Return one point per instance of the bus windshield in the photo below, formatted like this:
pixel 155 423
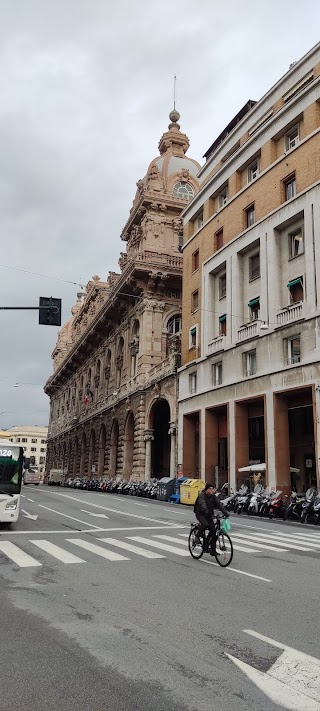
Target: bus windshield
pixel 10 469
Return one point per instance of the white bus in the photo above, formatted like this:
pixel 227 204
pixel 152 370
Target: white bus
pixel 31 476
pixel 11 465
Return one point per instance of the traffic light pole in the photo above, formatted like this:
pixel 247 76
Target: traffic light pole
pixel 49 310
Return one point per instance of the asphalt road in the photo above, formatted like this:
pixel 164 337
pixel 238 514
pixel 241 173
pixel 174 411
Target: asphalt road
pixel 103 609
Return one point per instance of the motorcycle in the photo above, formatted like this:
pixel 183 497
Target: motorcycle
pixel 276 505
pixel 316 510
pixel 307 506
pixel 255 500
pixel 243 502
pixel 294 510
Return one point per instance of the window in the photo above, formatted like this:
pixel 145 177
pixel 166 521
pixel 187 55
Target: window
pixel 43 441
pixel 199 221
pixel 250 216
pixel 295 287
pixel 223 198
pixel 294 352
pixel 254 266
pixel 42 449
pixel 296 245
pixel 290 187
pixel 193 382
pixel 195 300
pixel 193 337
pixel 42 460
pixel 195 260
pixel 223 325
pixel 250 363
pixel 292 138
pixel 253 171
pixel 34 441
pixel 183 190
pixel 174 324
pixel 17 440
pixel 24 439
pixel 219 239
pixel 222 286
pixel 217 373
pixel 254 309
pixel 33 449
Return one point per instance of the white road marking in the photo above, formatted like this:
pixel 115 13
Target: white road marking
pixel 240 536
pixel 235 570
pixel 106 508
pixel 97 530
pixel 103 552
pixel 297 540
pixel 292 682
pixel 23 496
pixel 180 513
pixel 315 540
pixel 57 552
pixel 92 513
pixel 161 546
pixel 132 548
pixel 18 556
pixel 30 516
pixel 85 523
pixel 32 501
pixel 170 538
pixel 278 539
pixel 235 545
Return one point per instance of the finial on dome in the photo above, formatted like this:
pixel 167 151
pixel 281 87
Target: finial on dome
pixel 174 116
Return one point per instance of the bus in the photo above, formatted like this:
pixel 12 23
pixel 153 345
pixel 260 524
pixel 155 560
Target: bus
pixel 31 476
pixel 11 466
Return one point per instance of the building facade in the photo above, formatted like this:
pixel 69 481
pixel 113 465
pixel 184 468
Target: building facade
pixel 33 439
pixel 113 394
pixel 249 385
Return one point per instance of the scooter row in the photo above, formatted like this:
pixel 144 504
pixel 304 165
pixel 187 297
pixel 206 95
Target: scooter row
pixel 272 504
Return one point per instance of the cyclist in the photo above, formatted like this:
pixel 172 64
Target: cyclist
pixel 204 510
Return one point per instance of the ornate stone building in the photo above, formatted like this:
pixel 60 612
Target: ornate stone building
pixel 113 394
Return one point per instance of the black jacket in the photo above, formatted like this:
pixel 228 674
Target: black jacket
pixel 206 503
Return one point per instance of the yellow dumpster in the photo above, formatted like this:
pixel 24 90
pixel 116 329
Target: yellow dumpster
pixel 189 490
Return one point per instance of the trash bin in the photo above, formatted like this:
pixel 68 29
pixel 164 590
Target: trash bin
pixel 165 488
pixel 175 497
pixel 189 490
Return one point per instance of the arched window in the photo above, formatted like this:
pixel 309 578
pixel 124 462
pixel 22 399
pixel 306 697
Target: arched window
pixel 174 324
pixel 183 190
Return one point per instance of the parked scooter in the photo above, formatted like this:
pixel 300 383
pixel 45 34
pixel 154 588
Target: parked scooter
pixel 276 507
pixel 294 510
pixel 307 506
pixel 316 510
pixel 243 502
pixel 255 500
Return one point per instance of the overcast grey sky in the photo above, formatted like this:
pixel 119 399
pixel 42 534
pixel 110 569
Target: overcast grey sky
pixel 86 88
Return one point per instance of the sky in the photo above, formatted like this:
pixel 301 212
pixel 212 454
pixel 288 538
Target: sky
pixel 86 87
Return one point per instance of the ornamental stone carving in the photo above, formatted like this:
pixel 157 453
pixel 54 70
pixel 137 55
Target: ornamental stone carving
pixel 107 371
pixel 119 361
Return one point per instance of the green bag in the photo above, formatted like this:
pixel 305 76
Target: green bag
pixel 226 526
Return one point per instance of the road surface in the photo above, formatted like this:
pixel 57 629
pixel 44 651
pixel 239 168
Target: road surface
pixel 103 609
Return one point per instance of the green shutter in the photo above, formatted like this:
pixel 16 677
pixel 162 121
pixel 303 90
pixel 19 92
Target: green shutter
pixel 295 281
pixel 222 318
pixel 193 331
pixel 253 302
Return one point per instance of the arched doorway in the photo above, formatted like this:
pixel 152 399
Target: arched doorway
pixel 102 450
pixel 161 441
pixel 114 439
pixel 83 455
pixel 91 452
pixel 128 446
pixel 75 457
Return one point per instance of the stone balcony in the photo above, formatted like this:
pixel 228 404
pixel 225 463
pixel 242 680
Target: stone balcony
pixel 217 345
pixel 291 313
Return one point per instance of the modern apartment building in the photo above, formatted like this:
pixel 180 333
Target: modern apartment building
pixel 249 385
pixel 33 439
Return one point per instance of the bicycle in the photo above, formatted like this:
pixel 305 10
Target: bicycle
pixel 224 547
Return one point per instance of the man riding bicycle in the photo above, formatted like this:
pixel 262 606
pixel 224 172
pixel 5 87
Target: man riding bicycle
pixel 204 510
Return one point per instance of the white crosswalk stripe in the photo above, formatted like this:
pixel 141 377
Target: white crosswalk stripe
pixel 160 546
pixel 57 552
pixel 242 538
pixel 103 552
pixel 235 545
pixel 278 539
pixel 17 555
pixel 131 548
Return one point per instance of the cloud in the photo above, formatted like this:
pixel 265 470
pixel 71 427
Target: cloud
pixel 86 87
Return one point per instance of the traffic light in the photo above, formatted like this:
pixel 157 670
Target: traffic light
pixel 49 311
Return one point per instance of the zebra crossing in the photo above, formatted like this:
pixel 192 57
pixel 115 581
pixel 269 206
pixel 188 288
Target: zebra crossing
pixel 157 546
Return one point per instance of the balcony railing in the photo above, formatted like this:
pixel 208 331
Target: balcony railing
pixel 218 344
pixel 294 312
pixel 249 330
pixel 169 260
pixel 192 354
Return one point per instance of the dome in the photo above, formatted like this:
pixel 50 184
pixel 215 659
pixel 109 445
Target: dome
pixel 175 164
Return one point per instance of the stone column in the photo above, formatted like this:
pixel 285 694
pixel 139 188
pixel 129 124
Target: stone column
pixel 172 433
pixel 148 438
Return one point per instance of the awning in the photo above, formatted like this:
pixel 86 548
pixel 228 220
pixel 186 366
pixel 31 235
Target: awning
pixel 254 468
pixel 295 281
pixel 253 302
pixel 222 318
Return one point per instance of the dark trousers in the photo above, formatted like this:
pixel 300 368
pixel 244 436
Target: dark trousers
pixel 207 522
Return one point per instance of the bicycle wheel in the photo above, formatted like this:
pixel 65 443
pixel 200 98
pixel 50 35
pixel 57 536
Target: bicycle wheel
pixel 195 549
pixel 224 549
